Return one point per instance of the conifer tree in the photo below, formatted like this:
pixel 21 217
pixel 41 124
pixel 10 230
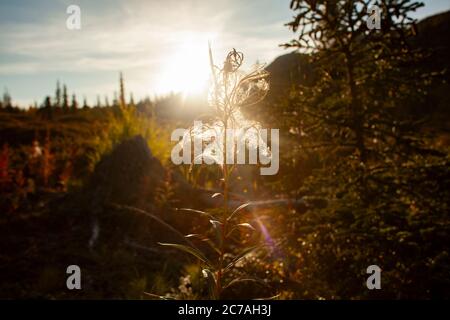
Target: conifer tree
pixel 373 167
pixel 48 108
pixel 122 92
pixel 74 103
pixel 58 95
pixel 107 102
pixel 65 98
pixel 116 102
pixel 48 103
pixel 132 100
pixel 85 104
pixel 7 101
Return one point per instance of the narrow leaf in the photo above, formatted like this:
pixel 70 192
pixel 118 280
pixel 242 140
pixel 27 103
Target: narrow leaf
pixel 158 296
pixel 203 213
pixel 212 283
pixel 270 298
pixel 241 225
pixel 194 235
pixel 241 207
pixel 203 238
pixel 195 252
pixel 246 225
pixel 217 225
pixel 242 255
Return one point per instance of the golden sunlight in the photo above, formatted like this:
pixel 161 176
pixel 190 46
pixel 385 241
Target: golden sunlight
pixel 187 69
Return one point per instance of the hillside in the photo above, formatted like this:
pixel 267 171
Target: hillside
pixel 432 35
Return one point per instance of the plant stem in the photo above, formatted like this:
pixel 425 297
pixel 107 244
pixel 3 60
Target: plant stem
pixel 225 207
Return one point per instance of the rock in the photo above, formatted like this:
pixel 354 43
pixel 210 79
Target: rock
pixel 129 175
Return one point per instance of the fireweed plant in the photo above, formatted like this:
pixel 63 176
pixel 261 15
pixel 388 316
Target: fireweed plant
pixel 231 90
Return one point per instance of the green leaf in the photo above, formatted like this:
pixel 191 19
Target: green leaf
pixel 203 213
pixel 203 238
pixel 193 251
pixel 242 255
pixel 158 296
pixel 195 235
pixel 242 225
pixel 275 297
pixel 246 225
pixel 212 283
pixel 217 225
pixel 241 207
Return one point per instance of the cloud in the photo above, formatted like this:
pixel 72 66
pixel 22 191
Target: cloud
pixel 137 37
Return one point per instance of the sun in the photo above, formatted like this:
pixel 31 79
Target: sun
pixel 187 69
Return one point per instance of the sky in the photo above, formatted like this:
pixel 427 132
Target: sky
pixel 159 45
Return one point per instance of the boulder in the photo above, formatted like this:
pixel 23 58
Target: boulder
pixel 129 175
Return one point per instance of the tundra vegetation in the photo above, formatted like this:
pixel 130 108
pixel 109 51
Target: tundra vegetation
pixel 363 179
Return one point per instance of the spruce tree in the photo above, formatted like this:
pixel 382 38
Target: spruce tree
pixel 85 104
pixel 74 103
pixel 383 184
pixel 122 92
pixel 107 102
pixel 116 103
pixel 65 99
pixel 132 100
pixel 7 101
pixel 58 95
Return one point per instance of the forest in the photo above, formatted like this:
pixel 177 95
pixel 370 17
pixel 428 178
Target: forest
pixel 363 177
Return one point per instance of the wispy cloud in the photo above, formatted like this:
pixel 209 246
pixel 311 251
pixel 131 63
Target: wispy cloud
pixel 137 37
